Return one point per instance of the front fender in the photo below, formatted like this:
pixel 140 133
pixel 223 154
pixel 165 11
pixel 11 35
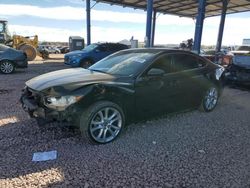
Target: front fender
pixel 121 94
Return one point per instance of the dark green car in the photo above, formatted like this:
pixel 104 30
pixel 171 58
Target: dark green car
pixel 126 86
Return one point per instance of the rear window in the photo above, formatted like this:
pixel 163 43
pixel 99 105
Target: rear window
pixel 117 47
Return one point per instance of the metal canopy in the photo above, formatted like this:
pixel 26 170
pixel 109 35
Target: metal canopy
pixel 184 8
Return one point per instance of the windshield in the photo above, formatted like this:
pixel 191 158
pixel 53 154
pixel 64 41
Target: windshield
pixel 123 63
pixel 242 60
pixel 90 47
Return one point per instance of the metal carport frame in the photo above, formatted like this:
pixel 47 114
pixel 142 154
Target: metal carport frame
pixel 198 9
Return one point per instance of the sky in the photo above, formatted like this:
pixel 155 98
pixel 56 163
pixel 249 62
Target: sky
pixel 56 20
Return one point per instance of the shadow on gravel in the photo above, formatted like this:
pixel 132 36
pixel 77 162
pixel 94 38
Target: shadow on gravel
pixel 240 87
pixel 18 142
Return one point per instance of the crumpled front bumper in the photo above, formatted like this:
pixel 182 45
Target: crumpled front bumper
pixel 32 103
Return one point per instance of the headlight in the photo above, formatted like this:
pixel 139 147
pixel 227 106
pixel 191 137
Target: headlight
pixel 60 103
pixel 219 72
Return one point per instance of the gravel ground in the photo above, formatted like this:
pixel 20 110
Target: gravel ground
pixel 191 149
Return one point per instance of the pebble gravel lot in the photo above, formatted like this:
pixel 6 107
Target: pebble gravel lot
pixel 191 149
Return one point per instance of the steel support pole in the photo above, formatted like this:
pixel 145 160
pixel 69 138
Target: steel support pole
pixel 153 29
pixel 199 25
pixel 149 22
pixel 222 23
pixel 88 9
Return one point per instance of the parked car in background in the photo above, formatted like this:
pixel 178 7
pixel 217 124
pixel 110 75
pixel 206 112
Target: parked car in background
pixel 126 86
pixel 10 59
pixel 43 51
pixel 224 57
pixel 49 49
pixel 91 54
pixel 64 49
pixel 53 50
pixel 244 48
pixel 239 71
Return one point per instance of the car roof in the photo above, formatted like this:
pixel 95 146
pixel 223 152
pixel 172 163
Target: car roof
pixel 158 51
pixel 109 43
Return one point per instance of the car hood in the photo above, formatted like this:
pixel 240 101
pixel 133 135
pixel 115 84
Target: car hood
pixel 76 77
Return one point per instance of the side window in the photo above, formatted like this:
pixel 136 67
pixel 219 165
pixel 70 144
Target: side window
pixel 184 62
pixel 163 63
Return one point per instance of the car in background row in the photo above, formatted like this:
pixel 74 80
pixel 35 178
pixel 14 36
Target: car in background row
pixel 224 57
pixel 126 86
pixel 238 71
pixel 49 49
pixel 64 49
pixel 10 59
pixel 91 54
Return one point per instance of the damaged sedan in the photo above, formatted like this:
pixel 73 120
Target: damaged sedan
pixel 127 86
pixel 239 71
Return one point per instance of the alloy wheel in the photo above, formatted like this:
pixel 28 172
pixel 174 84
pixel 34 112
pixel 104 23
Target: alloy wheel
pixel 105 125
pixel 211 98
pixel 6 67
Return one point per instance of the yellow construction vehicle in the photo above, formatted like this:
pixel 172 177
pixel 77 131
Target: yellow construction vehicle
pixel 26 44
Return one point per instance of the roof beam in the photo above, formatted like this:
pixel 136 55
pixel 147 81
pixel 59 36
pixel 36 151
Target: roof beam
pixel 179 7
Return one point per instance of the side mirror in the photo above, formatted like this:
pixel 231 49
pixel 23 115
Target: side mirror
pixel 156 72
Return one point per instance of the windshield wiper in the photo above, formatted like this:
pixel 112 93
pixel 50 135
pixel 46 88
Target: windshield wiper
pixel 96 70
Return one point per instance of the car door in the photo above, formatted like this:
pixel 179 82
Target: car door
pixel 156 88
pixel 190 73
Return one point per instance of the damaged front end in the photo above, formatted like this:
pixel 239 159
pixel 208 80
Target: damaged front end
pixel 50 108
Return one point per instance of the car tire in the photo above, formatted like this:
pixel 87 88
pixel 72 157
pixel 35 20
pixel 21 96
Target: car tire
pixel 102 122
pixel 30 51
pixel 210 99
pixel 7 67
pixel 86 63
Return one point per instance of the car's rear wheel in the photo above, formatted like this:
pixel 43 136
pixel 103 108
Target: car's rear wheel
pixel 86 63
pixel 7 67
pixel 102 122
pixel 210 99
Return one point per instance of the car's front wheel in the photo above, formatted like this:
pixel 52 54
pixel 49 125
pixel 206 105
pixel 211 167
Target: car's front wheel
pixel 7 67
pixel 102 122
pixel 210 99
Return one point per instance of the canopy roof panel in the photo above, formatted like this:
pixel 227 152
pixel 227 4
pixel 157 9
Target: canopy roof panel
pixel 184 8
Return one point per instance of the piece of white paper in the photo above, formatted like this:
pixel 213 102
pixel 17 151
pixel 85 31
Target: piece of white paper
pixel 44 156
